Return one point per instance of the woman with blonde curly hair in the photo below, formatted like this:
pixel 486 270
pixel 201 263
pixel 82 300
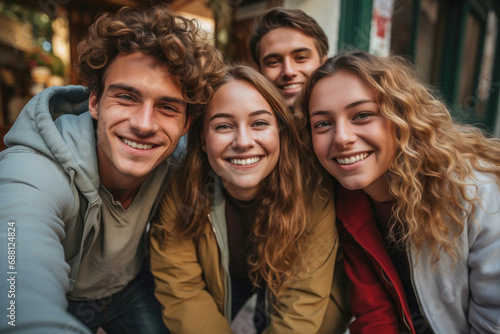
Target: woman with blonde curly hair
pixel 418 201
pixel 241 220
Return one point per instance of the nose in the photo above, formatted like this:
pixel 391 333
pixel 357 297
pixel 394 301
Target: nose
pixel 288 69
pixel 143 121
pixel 243 139
pixel 344 134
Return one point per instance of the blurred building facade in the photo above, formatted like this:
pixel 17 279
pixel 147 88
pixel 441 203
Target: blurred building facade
pixel 455 44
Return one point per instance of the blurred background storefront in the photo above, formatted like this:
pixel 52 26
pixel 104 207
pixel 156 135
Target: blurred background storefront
pixel 455 44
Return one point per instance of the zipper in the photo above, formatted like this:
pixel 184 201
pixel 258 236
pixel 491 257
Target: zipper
pixel 227 278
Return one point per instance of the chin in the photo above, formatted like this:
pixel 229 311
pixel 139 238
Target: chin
pixel 353 185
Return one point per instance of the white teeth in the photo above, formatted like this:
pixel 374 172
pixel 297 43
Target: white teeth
pixel 292 86
pixel 137 145
pixel 351 160
pixel 244 162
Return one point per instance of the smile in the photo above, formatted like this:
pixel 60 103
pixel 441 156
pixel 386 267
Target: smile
pixel 244 162
pixel 291 86
pixel 137 145
pixel 351 160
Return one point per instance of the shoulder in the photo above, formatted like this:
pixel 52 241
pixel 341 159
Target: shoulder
pixel 23 165
pixel 485 187
pixel 32 179
pixel 482 224
pixel 322 211
pixel 485 181
pixel 170 205
pixel 322 231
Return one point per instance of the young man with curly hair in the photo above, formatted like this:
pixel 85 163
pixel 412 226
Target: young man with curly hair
pixel 287 45
pixel 85 170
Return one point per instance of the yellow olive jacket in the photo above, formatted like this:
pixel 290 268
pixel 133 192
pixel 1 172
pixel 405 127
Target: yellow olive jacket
pixel 192 279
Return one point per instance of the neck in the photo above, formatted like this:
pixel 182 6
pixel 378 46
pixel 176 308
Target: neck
pixel 379 190
pixel 242 195
pixel 125 197
pixel 121 190
pixel 122 187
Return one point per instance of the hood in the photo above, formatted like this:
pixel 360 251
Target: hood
pixel 57 124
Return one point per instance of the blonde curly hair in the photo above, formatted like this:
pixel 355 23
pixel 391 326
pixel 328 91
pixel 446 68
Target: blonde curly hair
pixel 436 157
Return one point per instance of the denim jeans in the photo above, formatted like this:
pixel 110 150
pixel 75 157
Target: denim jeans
pixel 132 310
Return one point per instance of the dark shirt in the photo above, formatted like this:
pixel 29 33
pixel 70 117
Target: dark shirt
pixel 383 213
pixel 238 215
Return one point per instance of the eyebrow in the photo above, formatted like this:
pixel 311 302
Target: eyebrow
pixel 347 107
pixel 274 55
pixel 254 113
pixel 357 103
pixel 121 86
pixel 318 112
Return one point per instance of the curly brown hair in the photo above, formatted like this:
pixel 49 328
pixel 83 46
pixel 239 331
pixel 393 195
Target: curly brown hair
pixel 286 18
pixel 282 203
pixel 156 31
pixel 432 169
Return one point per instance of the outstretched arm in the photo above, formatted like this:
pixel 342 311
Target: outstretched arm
pixel 35 201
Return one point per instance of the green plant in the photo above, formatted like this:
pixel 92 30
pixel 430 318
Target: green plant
pixel 38 57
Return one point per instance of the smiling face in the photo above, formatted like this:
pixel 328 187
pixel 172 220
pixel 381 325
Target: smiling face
pixel 241 138
pixel 141 116
pixel 351 139
pixel 287 58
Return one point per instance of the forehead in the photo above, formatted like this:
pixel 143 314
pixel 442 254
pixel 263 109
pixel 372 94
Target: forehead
pixel 285 41
pixel 142 71
pixel 237 97
pixel 336 91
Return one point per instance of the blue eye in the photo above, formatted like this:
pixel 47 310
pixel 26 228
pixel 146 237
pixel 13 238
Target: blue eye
pixel 222 127
pixel 260 123
pixel 322 124
pixel 362 116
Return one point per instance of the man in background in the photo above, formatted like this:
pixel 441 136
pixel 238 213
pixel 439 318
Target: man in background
pixel 287 45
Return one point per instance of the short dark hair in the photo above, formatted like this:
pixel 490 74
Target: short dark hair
pixel 279 17
pixel 156 31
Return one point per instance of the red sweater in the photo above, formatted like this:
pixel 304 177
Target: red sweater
pixel 378 299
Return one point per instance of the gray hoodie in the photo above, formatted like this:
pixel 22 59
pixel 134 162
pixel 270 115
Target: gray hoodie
pixel 49 210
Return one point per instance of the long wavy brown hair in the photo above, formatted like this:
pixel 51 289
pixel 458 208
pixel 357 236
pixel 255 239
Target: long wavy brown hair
pixel 171 39
pixel 280 223
pixel 436 157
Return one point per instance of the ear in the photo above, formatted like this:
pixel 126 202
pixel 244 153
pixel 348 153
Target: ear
pixel 93 105
pixel 325 57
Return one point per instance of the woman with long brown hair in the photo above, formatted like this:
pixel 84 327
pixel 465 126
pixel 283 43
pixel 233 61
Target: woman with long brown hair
pixel 418 201
pixel 242 219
